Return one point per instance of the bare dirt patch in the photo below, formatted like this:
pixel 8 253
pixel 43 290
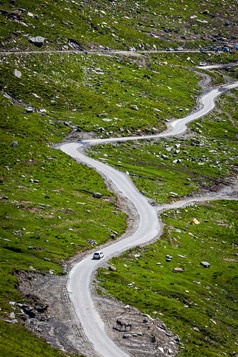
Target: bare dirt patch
pixel 50 315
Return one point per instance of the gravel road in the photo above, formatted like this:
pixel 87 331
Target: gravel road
pixel 80 276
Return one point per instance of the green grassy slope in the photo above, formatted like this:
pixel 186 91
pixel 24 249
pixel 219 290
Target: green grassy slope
pixel 48 212
pixel 118 24
pixel 200 304
pixel 167 169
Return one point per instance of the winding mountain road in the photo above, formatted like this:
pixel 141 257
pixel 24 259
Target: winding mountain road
pixel 80 277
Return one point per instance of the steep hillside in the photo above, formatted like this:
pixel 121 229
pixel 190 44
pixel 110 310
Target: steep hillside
pixel 64 80
pixel 145 24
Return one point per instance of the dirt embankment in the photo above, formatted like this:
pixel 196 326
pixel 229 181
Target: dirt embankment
pixel 51 316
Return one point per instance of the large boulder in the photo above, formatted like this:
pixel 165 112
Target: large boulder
pixel 205 264
pixel 14 144
pixel 17 73
pixel 97 195
pixel 37 41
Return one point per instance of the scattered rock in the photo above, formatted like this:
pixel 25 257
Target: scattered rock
pixel 41 308
pixel 14 144
pixel 14 14
pixel 12 315
pixel 17 73
pixel 134 107
pixel 37 41
pixel 178 270
pixel 126 335
pixel 112 268
pixel 97 195
pixel 194 221
pixel 29 311
pixel 75 44
pixel 205 264
pixel 3 12
pixel 91 241
pixel 99 115
pixel 168 258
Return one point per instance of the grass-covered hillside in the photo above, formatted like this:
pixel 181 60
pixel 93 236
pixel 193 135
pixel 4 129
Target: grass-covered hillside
pixel 200 304
pixel 48 210
pixel 167 169
pixel 197 303
pixel 118 24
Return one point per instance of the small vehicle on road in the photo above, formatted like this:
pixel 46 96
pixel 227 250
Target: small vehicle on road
pixel 98 255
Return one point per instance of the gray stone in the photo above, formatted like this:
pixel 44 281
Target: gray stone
pixel 14 144
pixel 168 258
pixel 38 40
pixel 97 195
pixel 41 308
pixel 14 14
pixel 134 107
pixel 205 264
pixel 126 335
pixel 91 241
pixel 178 270
pixel 17 73
pixel 112 268
pixel 99 115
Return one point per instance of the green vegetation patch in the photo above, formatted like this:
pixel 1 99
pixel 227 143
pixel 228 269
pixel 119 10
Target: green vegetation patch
pixel 109 96
pixel 19 342
pixel 48 211
pixel 197 303
pixel 167 169
pixel 116 24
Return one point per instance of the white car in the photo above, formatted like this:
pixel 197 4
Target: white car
pixel 98 255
